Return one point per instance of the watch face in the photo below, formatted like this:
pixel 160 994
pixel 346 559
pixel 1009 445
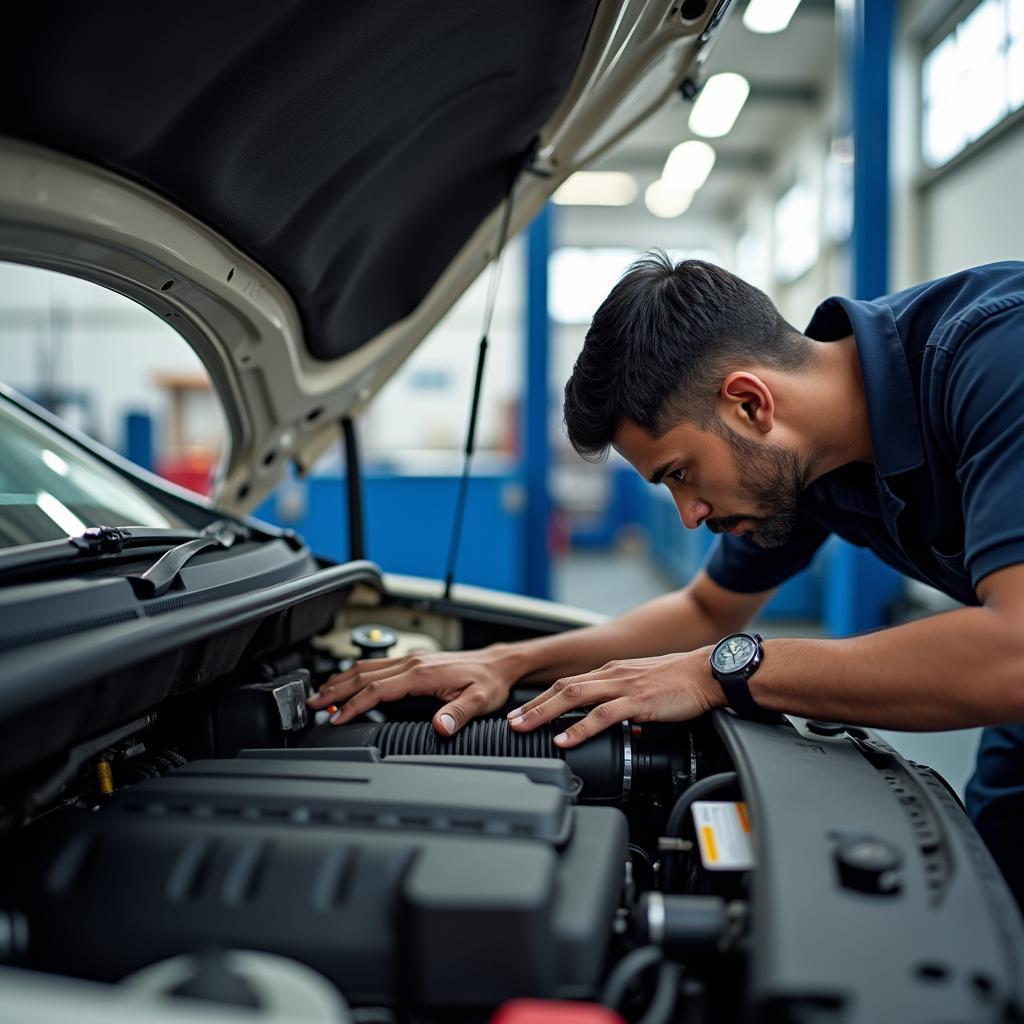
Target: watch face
pixel 733 653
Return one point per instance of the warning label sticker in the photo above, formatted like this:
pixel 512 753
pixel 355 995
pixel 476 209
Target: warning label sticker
pixel 723 833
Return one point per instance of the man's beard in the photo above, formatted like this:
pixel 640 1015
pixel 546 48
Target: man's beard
pixel 772 479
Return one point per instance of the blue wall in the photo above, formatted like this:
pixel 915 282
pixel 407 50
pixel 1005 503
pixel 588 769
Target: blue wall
pixel 681 552
pixel 408 523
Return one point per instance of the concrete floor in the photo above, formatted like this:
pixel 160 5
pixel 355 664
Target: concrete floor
pixel 614 582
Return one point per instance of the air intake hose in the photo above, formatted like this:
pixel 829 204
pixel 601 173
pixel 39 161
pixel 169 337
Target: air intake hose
pixel 610 765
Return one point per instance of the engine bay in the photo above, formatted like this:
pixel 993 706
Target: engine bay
pixel 233 847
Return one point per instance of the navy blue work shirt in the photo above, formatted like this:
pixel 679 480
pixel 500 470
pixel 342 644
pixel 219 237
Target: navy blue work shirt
pixel 943 370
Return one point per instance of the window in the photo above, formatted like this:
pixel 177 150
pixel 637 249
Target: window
pixel 580 279
pixel 972 79
pixel 796 233
pixel 51 489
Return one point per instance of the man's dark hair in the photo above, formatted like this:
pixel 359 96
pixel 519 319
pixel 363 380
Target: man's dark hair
pixel 660 345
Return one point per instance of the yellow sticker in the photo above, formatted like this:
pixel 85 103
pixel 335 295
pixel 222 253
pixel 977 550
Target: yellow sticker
pixel 723 834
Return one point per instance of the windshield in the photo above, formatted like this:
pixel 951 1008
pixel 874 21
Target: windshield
pixel 51 489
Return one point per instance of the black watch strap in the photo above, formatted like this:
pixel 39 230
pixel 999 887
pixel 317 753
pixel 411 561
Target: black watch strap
pixel 736 688
pixel 737 694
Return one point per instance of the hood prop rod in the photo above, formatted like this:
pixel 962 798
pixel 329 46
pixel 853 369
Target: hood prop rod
pixel 474 411
pixel 353 491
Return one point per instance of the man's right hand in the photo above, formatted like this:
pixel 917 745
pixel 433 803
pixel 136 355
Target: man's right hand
pixel 471 683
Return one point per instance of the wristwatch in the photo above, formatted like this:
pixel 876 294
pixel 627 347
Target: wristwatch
pixel 733 661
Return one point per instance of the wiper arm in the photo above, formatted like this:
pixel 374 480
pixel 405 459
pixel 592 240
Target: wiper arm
pixel 160 576
pixel 97 542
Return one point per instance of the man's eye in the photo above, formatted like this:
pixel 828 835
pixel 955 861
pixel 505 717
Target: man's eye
pixel 679 475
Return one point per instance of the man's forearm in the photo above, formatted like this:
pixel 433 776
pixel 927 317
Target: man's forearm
pixel 950 671
pixel 673 622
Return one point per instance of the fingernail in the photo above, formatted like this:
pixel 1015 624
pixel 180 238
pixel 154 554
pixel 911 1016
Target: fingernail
pixel 449 724
pixel 517 713
pixel 336 718
pixel 517 721
pixel 561 738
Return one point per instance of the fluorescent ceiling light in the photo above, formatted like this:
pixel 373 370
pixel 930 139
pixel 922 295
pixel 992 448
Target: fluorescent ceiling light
pixel 718 105
pixel 597 188
pixel 767 16
pixel 666 199
pixel 688 165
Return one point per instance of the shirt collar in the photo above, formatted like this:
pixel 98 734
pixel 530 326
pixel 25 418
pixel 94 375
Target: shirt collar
pixel 888 388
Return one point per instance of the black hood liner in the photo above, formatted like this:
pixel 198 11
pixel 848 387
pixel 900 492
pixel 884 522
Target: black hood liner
pixel 351 149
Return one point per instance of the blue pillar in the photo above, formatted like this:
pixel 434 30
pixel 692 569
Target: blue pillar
pixel 859 587
pixel 138 439
pixel 536 415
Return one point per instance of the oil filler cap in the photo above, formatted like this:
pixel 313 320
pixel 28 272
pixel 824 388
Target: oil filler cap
pixel 374 641
pixel 870 865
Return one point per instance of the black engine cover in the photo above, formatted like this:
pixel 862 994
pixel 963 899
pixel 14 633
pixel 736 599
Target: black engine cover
pixel 423 885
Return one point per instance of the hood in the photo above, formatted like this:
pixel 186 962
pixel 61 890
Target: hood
pixel 304 189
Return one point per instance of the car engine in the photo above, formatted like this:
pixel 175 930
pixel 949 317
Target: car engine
pixel 236 849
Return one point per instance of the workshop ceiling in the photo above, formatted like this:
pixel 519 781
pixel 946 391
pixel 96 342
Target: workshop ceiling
pixel 791 75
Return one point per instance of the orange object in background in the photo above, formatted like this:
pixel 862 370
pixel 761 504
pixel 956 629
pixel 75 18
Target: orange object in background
pixel 192 471
pixel 193 431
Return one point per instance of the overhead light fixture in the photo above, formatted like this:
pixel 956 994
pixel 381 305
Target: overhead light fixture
pixel 688 165
pixel 666 199
pixel 767 16
pixel 597 188
pixel 718 105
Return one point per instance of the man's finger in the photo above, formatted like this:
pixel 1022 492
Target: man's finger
pixel 342 686
pixel 565 697
pixel 474 700
pixel 370 696
pixel 553 690
pixel 604 715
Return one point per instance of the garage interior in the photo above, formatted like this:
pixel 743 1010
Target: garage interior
pixel 786 204
pixel 825 147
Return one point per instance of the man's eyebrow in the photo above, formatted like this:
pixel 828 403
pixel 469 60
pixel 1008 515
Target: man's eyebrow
pixel 656 476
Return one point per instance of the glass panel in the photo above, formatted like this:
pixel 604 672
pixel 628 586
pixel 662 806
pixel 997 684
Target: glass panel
pixel 980 41
pixel 51 489
pixel 972 79
pixel 1015 53
pixel 944 131
pixel 796 233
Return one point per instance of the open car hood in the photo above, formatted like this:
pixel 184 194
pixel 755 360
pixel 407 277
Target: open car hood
pixel 304 189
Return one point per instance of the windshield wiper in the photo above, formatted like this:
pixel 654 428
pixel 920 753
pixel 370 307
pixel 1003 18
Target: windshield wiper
pixel 160 576
pixel 101 541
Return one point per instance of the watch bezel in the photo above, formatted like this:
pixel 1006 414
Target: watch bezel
pixel 741 670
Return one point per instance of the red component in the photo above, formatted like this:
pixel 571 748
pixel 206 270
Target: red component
pixel 554 1011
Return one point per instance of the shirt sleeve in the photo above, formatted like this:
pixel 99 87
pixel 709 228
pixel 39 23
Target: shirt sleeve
pixel 740 565
pixel 985 418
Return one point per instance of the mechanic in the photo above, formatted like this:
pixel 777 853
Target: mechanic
pixel 896 424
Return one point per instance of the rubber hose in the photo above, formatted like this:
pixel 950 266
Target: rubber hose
pixel 663 1002
pixel 701 788
pixel 626 971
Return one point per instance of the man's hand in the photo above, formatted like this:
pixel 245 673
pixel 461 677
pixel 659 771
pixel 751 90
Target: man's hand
pixel 668 688
pixel 470 682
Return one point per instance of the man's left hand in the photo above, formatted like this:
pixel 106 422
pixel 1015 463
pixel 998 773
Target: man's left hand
pixel 667 688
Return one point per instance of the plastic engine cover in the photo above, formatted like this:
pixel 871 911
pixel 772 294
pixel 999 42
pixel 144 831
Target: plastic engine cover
pixel 421 885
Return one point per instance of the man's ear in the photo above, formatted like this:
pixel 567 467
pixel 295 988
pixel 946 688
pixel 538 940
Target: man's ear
pixel 745 400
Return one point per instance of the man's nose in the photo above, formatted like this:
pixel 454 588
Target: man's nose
pixel 692 511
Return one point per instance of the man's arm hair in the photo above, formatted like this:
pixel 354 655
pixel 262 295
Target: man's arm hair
pixel 949 671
